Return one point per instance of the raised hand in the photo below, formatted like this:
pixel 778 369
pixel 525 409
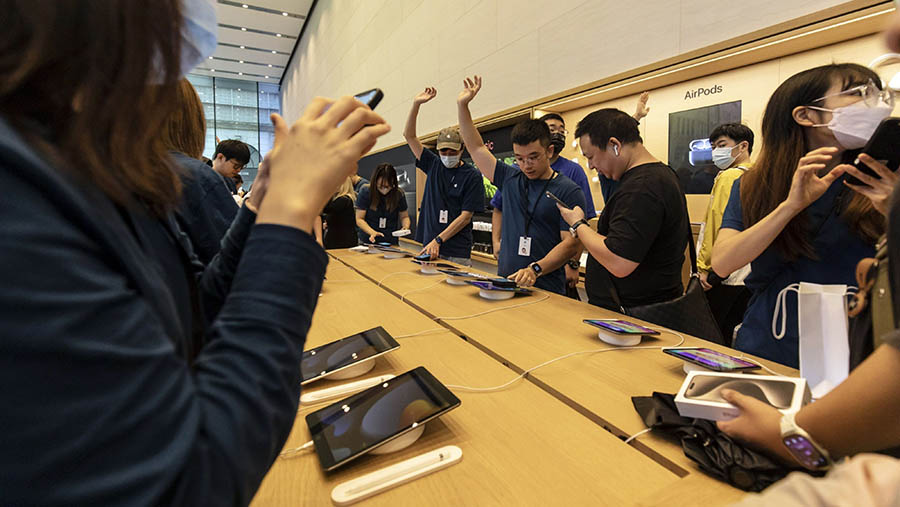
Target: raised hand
pixel 471 86
pixel 642 108
pixel 807 186
pixel 425 96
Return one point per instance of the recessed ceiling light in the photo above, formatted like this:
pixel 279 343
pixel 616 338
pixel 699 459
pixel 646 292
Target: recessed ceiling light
pixel 212 70
pixel 284 14
pixel 277 35
pixel 274 52
pixel 239 89
pixel 270 65
pixel 240 73
pixel 240 61
pixel 267 77
pixel 242 47
pixel 243 29
pixel 245 6
pixel 210 58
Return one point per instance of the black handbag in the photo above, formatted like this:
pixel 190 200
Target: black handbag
pixel 688 313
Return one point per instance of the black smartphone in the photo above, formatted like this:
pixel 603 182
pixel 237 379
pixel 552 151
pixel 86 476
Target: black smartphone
pixel 622 327
pixel 423 257
pixel 504 283
pixel 557 199
pixel 371 97
pixel 883 146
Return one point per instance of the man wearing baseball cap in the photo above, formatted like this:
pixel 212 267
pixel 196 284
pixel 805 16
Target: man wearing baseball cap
pixel 454 191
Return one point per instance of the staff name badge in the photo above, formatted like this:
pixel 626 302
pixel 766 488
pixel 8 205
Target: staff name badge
pixel 524 246
pixel 382 223
pixel 444 216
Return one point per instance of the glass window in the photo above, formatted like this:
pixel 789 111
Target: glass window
pixel 239 110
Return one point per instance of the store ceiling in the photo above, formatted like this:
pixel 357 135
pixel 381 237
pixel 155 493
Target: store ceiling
pixel 255 39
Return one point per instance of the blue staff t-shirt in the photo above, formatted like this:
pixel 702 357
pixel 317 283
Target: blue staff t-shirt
pixel 838 250
pixel 455 190
pixel 524 196
pixel 570 170
pixel 374 216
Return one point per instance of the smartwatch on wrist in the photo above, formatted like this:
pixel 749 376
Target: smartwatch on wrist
pixel 573 264
pixel 802 447
pixel 573 229
pixel 536 268
pixel 438 240
pixel 713 278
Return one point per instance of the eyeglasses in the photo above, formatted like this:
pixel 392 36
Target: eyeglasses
pixel 237 165
pixel 529 160
pixel 870 94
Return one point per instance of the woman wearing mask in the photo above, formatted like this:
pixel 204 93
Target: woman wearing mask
pixel 380 213
pixel 793 217
pixel 339 218
pixel 104 404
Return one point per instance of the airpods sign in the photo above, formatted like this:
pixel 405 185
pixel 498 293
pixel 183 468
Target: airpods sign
pixel 701 92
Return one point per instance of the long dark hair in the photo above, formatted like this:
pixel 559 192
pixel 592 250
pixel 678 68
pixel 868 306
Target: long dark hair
pixel 76 86
pixel 387 173
pixel 784 144
pixel 185 130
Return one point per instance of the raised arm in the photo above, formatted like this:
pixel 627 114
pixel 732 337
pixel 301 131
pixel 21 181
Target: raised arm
pixel 482 156
pixel 409 131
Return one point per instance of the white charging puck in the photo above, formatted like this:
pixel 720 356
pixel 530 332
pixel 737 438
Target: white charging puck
pixel 455 280
pixel 619 340
pixel 429 269
pixel 496 295
pixel 400 233
pixel 394 255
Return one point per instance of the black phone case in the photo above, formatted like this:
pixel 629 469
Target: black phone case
pixel 883 146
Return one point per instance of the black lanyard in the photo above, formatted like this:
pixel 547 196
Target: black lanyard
pixel 523 192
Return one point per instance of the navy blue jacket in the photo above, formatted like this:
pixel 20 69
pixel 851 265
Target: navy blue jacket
pixel 100 403
pixel 207 208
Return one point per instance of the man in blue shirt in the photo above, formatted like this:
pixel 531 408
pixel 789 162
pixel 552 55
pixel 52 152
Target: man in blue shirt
pixel 540 239
pixel 453 191
pixel 567 168
pixel 231 156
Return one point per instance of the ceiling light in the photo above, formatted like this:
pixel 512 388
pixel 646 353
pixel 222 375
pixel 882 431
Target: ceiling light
pixel 267 77
pixel 242 47
pixel 240 61
pixel 243 29
pixel 212 70
pixel 245 6
pixel 284 14
pixel 239 89
pixel 240 73
pixel 210 58
pixel 270 65
pixel 274 52
pixel 277 35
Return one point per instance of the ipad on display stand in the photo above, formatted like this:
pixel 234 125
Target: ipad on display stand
pixel 385 418
pixel 346 358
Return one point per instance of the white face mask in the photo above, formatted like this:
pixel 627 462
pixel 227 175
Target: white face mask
pixel 853 125
pixel 723 157
pixel 450 161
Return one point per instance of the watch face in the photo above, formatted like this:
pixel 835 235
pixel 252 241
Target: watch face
pixel 805 452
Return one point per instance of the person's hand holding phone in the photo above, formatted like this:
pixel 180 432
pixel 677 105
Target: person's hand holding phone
pixel 878 190
pixel 571 215
pixel 433 249
pixel 314 155
pixel 524 277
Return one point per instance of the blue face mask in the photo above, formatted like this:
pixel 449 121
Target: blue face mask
pixel 198 34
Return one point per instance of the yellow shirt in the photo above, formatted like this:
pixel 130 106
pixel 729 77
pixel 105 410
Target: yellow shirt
pixel 718 200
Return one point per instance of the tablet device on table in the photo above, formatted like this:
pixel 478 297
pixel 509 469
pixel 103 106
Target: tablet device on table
pixel 622 327
pixel 461 274
pixel 356 425
pixel 489 285
pixel 332 357
pixel 712 359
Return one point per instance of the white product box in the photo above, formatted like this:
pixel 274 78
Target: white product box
pixel 700 396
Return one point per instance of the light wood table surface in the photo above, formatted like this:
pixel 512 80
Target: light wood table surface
pixel 597 385
pixel 521 446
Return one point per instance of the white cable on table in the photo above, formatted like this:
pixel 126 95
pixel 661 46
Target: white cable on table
pixel 546 297
pixel 403 296
pixel 296 450
pixel 427 331
pixel 397 273
pixel 639 433
pixel 571 354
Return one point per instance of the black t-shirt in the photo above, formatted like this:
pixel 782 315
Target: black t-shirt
pixel 341 219
pixel 645 221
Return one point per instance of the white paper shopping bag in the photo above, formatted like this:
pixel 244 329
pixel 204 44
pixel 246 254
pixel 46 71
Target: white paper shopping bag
pixel 823 329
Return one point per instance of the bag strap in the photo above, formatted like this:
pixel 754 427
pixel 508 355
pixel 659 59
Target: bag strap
pixel 614 293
